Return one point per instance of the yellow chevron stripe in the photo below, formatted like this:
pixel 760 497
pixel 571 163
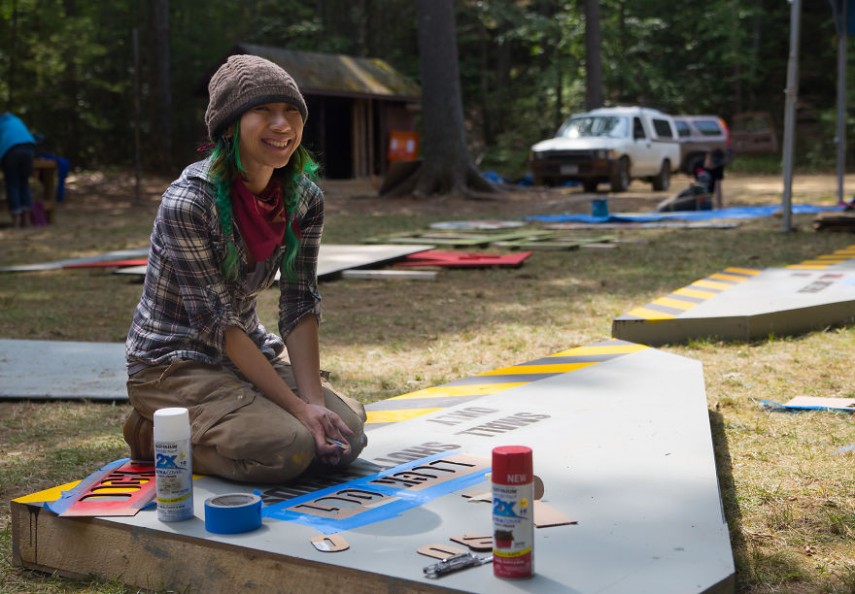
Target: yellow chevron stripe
pixel 728 277
pixel 675 303
pixel 396 416
pixel 538 369
pixel 708 284
pixel 750 271
pixel 52 494
pixel 650 314
pixel 606 349
pixel 687 292
pixel 806 267
pixel 466 390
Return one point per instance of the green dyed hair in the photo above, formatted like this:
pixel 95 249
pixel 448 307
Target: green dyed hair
pixel 225 165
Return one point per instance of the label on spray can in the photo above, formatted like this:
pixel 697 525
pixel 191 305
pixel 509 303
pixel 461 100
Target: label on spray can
pixel 173 465
pixel 513 512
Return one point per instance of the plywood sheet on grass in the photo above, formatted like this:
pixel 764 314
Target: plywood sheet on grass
pixel 624 453
pixel 749 304
pixel 58 264
pixel 51 370
pixel 336 258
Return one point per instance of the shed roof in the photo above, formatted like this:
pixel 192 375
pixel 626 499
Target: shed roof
pixel 337 75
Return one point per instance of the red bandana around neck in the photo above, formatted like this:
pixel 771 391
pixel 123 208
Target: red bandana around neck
pixel 261 219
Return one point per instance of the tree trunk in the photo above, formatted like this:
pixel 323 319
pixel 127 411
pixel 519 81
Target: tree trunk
pixel 446 165
pixel 164 80
pixel 593 63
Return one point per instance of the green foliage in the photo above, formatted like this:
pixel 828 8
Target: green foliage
pixel 68 66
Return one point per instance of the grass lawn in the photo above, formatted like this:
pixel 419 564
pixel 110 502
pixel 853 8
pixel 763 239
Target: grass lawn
pixel 787 483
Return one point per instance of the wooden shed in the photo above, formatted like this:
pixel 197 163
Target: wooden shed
pixel 355 105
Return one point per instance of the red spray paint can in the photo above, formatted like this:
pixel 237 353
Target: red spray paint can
pixel 513 512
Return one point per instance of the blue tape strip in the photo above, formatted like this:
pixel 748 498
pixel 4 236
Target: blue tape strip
pixel 796 407
pixel 404 499
pixel 232 513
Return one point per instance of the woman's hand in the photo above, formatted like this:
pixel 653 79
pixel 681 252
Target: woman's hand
pixel 329 431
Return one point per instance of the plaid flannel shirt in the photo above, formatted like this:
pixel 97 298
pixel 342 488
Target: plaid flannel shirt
pixel 187 304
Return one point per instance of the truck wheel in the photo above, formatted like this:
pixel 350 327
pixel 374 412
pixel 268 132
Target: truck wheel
pixel 662 180
pixel 620 176
pixel 589 185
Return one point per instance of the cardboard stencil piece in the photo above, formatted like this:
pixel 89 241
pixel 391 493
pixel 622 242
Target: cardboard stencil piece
pixel 625 455
pixel 121 488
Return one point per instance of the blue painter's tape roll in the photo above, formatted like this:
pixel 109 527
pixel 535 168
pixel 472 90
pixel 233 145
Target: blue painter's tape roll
pixel 232 513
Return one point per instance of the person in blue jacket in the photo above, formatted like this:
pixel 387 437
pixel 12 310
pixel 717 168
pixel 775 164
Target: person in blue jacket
pixel 17 151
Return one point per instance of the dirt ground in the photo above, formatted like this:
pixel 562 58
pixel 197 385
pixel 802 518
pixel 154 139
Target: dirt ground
pixel 117 190
pixel 360 197
pixel 89 194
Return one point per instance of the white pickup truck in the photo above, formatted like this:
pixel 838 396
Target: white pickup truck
pixel 610 144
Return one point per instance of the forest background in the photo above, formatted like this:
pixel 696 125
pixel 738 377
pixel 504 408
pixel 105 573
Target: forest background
pixel 67 67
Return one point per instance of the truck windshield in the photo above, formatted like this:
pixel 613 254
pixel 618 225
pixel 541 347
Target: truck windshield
pixel 609 126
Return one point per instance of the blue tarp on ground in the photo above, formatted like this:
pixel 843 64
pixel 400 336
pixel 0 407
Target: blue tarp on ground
pixel 736 212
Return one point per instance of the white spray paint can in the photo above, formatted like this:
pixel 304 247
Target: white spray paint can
pixel 173 466
pixel 513 512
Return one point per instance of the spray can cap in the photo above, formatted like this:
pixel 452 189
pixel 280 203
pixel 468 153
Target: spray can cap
pixel 171 423
pixel 512 465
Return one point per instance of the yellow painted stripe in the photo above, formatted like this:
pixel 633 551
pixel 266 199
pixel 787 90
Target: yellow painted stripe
pixel 466 390
pixel 650 314
pixel 806 267
pixel 728 277
pixel 396 416
pixel 52 494
pixel 675 303
pixel 749 271
pixel 538 369
pixel 109 490
pixel 821 262
pixel 687 292
pixel 110 483
pixel 708 284
pixel 609 349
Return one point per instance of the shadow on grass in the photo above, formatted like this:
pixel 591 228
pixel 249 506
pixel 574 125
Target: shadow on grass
pixel 727 489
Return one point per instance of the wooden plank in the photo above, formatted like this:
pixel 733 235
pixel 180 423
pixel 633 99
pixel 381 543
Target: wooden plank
pixel 457 238
pixel 428 275
pixel 157 559
pixel 555 241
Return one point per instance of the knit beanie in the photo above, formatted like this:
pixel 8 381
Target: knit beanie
pixel 243 82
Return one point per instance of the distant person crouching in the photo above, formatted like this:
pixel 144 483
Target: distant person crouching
pixel 714 164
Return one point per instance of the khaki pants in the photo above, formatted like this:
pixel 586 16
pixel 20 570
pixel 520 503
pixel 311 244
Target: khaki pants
pixel 236 432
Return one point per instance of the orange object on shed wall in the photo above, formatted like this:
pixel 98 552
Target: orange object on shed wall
pixel 403 145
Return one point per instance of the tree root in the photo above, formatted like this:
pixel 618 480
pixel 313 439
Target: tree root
pixel 422 180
